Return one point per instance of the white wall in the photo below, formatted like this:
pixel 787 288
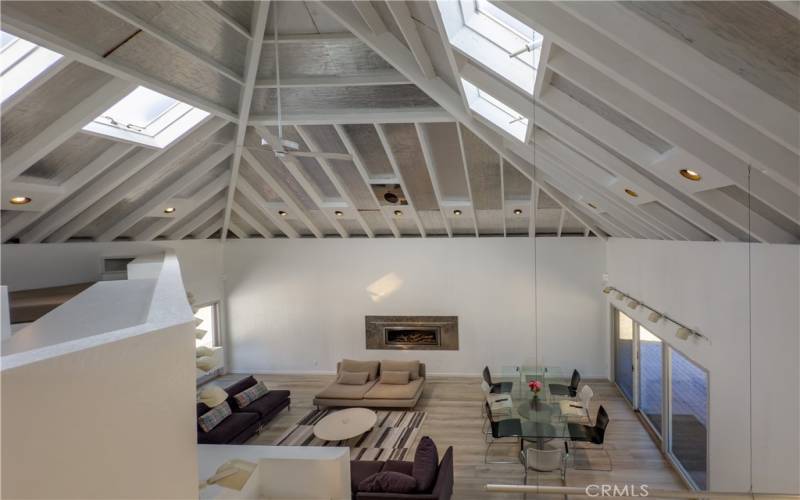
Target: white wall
pixel 43 265
pixel 299 305
pixel 705 285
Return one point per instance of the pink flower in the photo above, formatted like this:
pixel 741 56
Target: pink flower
pixel 535 385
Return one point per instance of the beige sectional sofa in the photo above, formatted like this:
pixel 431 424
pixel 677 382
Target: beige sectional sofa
pixel 377 391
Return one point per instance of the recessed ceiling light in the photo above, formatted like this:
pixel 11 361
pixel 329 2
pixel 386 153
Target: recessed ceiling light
pixel 169 210
pixel 517 211
pixel 592 205
pixel 282 213
pixel 456 212
pixel 398 213
pixel 691 174
pixel 631 193
pixel 338 213
pixel 20 200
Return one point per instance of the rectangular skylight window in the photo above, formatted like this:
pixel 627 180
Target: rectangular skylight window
pixel 147 117
pixel 495 111
pixel 500 42
pixel 20 62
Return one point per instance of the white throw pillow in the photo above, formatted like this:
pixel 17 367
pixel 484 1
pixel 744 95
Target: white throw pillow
pixel 205 363
pixel 203 350
pixel 212 395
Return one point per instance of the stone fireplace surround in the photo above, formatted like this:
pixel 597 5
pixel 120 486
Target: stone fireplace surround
pixel 432 333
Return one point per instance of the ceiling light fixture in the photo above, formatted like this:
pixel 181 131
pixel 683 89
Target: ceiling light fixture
pixel 456 212
pixel 169 210
pixel 631 193
pixel 398 213
pixel 607 290
pixel 683 333
pixel 620 295
pixel 339 213
pixel 691 174
pixel 282 213
pixel 655 316
pixel 633 304
pixel 20 200
pixel 517 211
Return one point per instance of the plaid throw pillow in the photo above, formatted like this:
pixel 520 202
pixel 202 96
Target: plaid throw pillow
pixel 213 418
pixel 246 397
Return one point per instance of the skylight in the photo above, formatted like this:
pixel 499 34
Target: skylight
pixel 494 39
pixel 147 117
pixel 20 62
pixel 495 111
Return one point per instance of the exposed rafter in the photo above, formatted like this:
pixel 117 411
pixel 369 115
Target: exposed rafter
pixel 408 27
pixel 430 165
pixel 258 201
pixel 387 146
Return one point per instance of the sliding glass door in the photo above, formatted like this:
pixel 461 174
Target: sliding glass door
pixel 689 417
pixel 623 354
pixel 651 387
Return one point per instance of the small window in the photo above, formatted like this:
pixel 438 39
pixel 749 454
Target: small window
pixel 147 117
pixel 21 62
pixel 495 111
pixel 209 316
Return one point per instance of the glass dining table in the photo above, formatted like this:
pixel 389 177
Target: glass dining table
pixel 539 413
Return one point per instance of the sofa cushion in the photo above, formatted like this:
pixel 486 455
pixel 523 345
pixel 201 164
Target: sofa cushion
pixel 412 367
pixel 342 391
pixel 212 395
pixel 229 428
pixel 362 469
pixel 394 378
pixel 250 394
pixel 399 466
pixel 426 464
pixel 240 385
pixel 205 363
pixel 214 417
pixel 388 482
pixel 267 403
pixel 351 365
pixel 203 350
pixel 352 378
pixel 393 391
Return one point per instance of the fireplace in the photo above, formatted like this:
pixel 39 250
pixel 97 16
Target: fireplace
pixel 412 332
pixel 412 336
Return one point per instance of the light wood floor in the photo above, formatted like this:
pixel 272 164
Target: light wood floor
pixel 454 419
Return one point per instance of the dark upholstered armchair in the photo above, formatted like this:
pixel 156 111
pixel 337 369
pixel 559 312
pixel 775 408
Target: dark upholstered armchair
pixel 442 488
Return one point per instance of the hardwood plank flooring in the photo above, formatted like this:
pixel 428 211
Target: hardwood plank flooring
pixel 454 419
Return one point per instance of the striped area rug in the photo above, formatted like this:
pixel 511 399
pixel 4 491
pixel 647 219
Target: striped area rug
pixel 395 433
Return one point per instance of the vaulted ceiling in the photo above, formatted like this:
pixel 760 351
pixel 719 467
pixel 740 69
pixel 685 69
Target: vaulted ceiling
pixel 376 96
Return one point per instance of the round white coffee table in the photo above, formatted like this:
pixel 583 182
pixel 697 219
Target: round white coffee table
pixel 345 424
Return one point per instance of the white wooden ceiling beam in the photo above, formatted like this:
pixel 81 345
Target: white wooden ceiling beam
pixel 577 113
pixel 166 224
pixel 139 170
pixel 465 166
pixel 34 84
pixel 85 175
pixel 561 222
pixel 297 171
pixel 348 116
pixel 442 27
pixel 252 58
pixel 335 179
pixel 759 227
pixel 409 30
pixel 365 79
pixel 568 205
pixel 768 190
pixel 661 90
pixel 228 19
pixel 63 128
pixel 28 29
pixel 287 197
pixel 258 201
pixel 541 81
pixel 213 228
pixel 432 167
pixel 358 162
pixel 387 147
pixel 167 193
pixel 170 39
pixel 370 16
pixel 704 75
pixel 198 220
pixel 312 38
pixel 251 221
pixel 239 232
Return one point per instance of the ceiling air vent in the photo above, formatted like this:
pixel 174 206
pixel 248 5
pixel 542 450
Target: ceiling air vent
pixel 390 194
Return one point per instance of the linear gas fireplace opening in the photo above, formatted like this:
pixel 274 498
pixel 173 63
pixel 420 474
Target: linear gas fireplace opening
pixel 412 332
pixel 412 336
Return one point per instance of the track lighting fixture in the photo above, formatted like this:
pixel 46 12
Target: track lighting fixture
pixel 683 333
pixel 607 290
pixel 620 295
pixel 633 304
pixel 655 316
